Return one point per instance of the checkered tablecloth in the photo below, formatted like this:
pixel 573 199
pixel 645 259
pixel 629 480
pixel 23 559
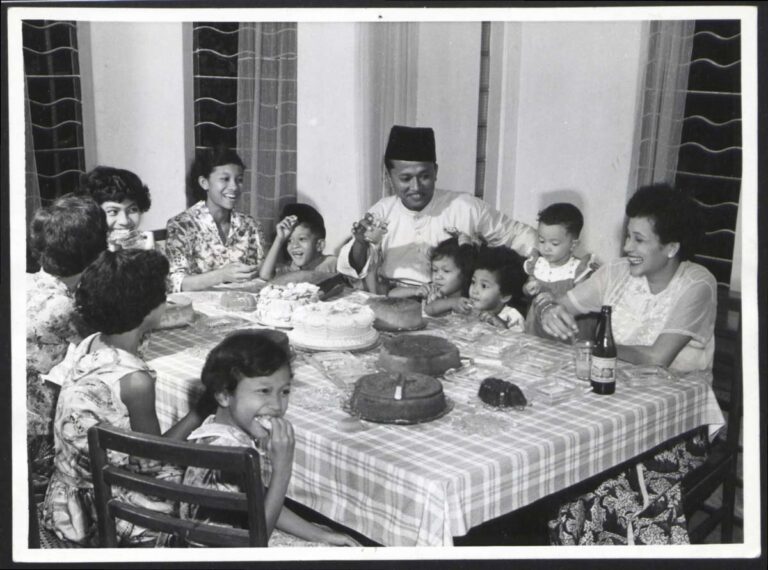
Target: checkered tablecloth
pixel 424 484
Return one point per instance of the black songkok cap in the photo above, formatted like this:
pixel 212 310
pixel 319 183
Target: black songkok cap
pixel 411 143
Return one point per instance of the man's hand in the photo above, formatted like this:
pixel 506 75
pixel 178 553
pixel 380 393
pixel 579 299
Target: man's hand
pixel 369 229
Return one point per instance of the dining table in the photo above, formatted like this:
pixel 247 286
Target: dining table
pixel 423 484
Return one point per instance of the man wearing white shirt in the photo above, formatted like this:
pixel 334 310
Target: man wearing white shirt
pixel 419 216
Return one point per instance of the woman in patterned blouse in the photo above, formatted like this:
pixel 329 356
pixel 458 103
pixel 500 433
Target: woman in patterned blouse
pixel 211 243
pixel 64 238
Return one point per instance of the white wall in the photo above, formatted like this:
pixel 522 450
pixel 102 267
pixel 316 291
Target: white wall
pixel 330 167
pixel 138 100
pixel 576 109
pixel 448 84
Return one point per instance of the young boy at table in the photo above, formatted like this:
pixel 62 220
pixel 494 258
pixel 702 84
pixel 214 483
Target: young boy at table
pixel 249 375
pixel 552 266
pixel 121 295
pixel 301 234
pixel 496 287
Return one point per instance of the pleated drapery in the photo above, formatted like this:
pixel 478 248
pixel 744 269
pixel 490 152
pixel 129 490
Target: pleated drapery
pixel 266 118
pixel 663 101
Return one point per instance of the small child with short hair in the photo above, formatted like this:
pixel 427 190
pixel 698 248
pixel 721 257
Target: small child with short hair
pixel 497 286
pixel 452 267
pixel 249 375
pixel 301 234
pixel 552 267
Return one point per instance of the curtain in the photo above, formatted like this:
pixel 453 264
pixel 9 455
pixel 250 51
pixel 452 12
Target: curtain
pixel 266 118
pixel 388 64
pixel 663 101
pixel 33 200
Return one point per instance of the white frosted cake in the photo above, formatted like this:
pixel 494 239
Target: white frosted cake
pixel 277 303
pixel 333 326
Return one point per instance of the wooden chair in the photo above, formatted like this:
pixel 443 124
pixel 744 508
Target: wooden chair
pixel 721 467
pixel 243 461
pixel 160 236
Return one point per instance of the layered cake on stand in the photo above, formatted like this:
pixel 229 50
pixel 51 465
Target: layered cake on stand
pixel 339 325
pixel 398 398
pixel 178 312
pixel 424 354
pixel 277 303
pixel 394 314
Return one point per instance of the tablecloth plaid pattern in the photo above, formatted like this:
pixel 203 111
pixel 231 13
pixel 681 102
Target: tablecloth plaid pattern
pixel 424 484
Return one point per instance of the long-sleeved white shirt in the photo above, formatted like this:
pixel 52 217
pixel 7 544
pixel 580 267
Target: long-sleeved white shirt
pixel 410 235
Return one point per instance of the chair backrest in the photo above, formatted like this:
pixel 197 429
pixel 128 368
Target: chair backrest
pixel 160 236
pixel 243 461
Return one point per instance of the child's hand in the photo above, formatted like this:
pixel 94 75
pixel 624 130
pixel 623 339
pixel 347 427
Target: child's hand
pixel 237 272
pixel 489 318
pixel 463 305
pixel 532 287
pixel 281 443
pixel 430 292
pixel 285 227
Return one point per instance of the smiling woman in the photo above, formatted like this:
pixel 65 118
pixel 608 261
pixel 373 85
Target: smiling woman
pixel 211 243
pixel 664 306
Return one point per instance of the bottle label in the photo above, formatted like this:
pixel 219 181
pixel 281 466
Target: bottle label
pixel 603 369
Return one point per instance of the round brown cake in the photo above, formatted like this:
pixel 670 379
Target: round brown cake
pixel 396 314
pixel 424 354
pixel 390 397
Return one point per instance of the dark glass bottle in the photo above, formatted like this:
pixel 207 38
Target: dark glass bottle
pixel 603 373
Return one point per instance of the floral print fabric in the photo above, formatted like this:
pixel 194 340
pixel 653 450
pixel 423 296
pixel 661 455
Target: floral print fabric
pixel 194 246
pixel 90 395
pixel 643 505
pixel 50 330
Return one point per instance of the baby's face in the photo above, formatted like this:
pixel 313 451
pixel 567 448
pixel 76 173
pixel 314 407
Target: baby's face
pixel 555 244
pixel 303 245
pixel 446 275
pixel 257 397
pixel 485 292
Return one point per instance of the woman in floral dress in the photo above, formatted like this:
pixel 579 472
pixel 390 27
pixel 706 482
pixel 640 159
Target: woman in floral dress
pixel 64 238
pixel 211 242
pixel 121 295
pixel 664 309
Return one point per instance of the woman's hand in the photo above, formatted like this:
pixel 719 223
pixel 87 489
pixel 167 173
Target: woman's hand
pixel 285 227
pixel 237 272
pixel 557 321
